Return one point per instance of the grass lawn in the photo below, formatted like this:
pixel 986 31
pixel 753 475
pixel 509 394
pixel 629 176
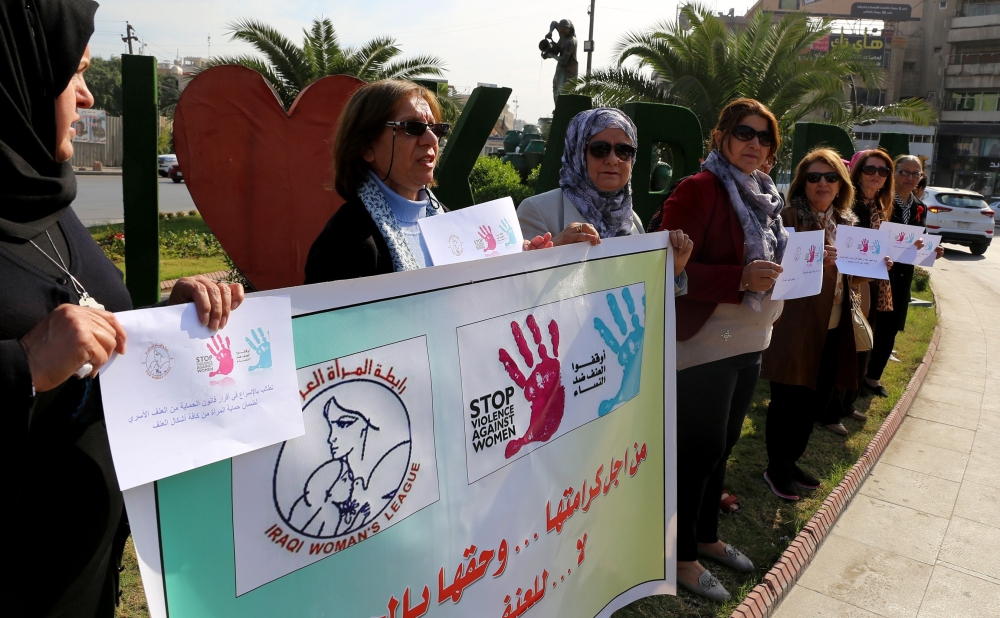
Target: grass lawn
pixel 174 268
pixel 766 525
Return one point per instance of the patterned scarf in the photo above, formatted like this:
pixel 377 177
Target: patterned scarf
pixel 758 205
pixel 610 212
pixel 904 207
pixel 826 221
pixel 884 289
pixel 385 220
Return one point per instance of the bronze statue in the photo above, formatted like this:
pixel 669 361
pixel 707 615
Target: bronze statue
pixel 564 52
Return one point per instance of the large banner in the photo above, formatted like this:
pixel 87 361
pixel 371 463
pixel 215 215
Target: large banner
pixel 882 11
pixel 92 128
pixel 491 438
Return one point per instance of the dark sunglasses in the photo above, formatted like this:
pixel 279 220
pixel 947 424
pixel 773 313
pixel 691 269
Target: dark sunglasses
pixel 599 150
pixel 908 174
pixel 871 170
pixel 745 134
pixel 417 128
pixel 831 177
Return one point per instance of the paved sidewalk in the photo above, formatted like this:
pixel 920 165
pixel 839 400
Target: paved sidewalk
pixel 922 537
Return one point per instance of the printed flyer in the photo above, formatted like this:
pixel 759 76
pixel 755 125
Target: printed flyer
pixel 489 438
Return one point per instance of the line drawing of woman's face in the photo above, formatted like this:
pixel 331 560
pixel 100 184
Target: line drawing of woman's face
pixel 348 431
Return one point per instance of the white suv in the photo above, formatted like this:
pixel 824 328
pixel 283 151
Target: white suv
pixel 163 163
pixel 959 217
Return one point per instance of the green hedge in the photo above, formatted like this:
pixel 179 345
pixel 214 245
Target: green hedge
pixel 492 179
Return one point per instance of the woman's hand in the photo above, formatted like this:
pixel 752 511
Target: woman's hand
pixel 66 339
pixel 538 242
pixel 759 275
pixel 829 255
pixel 214 301
pixel 888 263
pixel 939 252
pixel 683 246
pixel 577 232
pixel 919 243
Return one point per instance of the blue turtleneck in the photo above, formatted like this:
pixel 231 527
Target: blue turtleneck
pixel 407 214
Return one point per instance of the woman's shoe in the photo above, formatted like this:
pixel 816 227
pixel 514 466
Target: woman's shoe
pixel 803 479
pixel 878 390
pixel 837 428
pixel 707 587
pixel 734 559
pixel 783 489
pixel 859 416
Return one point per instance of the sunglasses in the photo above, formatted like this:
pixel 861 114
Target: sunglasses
pixel 600 150
pixel 871 170
pixel 908 174
pixel 745 134
pixel 830 177
pixel 417 128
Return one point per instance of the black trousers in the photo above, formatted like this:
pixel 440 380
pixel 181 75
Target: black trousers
pixel 793 411
pixel 886 326
pixel 712 401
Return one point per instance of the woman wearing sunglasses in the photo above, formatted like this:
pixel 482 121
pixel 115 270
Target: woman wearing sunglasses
pixel 908 210
pixel 731 211
pixel 812 351
pixel 594 198
pixel 384 156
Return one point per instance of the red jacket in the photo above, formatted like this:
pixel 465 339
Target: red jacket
pixel 700 207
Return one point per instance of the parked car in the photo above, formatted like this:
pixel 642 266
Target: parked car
pixel 959 217
pixel 994 205
pixel 175 173
pixel 163 163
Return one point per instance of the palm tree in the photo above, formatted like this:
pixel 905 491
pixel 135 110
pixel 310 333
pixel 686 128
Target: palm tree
pixel 703 65
pixel 290 68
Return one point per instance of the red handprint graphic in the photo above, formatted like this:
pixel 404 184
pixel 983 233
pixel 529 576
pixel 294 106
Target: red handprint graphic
pixel 543 388
pixel 864 245
pixel 901 236
pixel 812 254
pixel 486 233
pixel 223 354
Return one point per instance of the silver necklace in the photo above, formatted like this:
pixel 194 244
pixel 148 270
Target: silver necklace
pixel 86 300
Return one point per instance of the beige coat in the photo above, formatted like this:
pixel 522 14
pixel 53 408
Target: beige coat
pixel 552 212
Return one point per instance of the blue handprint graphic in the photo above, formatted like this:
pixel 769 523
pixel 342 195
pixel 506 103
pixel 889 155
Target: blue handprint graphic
pixel 629 352
pixel 507 229
pixel 262 347
pixel 878 247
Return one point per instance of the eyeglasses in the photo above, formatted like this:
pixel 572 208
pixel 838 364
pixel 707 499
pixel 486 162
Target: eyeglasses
pixel 830 177
pixel 745 134
pixel 417 128
pixel 871 170
pixel 600 150
pixel 909 174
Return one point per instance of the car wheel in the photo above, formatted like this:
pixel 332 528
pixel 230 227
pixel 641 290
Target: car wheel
pixel 979 248
pixel 175 179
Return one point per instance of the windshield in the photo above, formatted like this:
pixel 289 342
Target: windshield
pixel 957 200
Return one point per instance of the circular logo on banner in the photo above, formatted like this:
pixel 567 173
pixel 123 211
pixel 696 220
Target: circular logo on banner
pixel 850 241
pixel 347 468
pixel 798 253
pixel 157 361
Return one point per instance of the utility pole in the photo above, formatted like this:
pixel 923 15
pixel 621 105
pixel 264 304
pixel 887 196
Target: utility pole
pixel 588 45
pixel 209 46
pixel 129 36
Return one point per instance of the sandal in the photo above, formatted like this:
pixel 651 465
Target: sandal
pixel 730 504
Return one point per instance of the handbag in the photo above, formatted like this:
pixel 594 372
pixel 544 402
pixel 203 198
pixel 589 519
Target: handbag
pixel 863 337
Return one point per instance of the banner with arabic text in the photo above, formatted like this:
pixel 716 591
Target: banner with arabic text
pixel 491 438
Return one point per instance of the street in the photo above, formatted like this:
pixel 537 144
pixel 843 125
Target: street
pixel 99 198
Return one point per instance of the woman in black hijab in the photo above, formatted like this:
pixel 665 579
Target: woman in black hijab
pixel 57 295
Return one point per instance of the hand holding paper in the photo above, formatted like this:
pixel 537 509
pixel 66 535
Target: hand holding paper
pixel 803 266
pixel 862 252
pixel 484 230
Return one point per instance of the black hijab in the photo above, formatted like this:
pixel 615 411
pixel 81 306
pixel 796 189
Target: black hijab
pixel 41 44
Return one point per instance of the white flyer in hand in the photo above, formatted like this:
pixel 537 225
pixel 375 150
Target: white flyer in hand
pixel 182 396
pixel 901 239
pixel 862 252
pixel 928 255
pixel 802 266
pixel 484 230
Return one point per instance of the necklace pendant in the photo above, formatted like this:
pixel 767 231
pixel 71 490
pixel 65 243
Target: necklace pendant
pixel 86 300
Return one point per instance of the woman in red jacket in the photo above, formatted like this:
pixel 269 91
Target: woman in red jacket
pixel 731 212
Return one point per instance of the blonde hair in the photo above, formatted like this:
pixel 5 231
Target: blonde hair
pixel 844 202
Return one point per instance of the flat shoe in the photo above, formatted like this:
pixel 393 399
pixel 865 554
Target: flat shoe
pixel 708 587
pixel 859 416
pixel 785 491
pixel 837 428
pixel 878 391
pixel 803 479
pixel 734 559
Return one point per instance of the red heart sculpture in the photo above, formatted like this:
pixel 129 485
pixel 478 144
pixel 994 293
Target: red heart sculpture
pixel 261 178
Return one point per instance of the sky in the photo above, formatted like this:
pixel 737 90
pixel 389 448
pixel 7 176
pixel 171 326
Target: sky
pixel 480 42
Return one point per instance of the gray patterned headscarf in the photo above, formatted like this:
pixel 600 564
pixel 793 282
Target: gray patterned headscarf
pixel 610 212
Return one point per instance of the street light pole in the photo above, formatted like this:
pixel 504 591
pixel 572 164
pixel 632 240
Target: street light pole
pixel 588 45
pixel 129 36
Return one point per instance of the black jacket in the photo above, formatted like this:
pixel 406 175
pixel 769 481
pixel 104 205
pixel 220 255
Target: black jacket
pixel 901 275
pixel 349 247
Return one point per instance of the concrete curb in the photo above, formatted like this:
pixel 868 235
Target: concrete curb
pixel 107 172
pixel 166 286
pixel 765 597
